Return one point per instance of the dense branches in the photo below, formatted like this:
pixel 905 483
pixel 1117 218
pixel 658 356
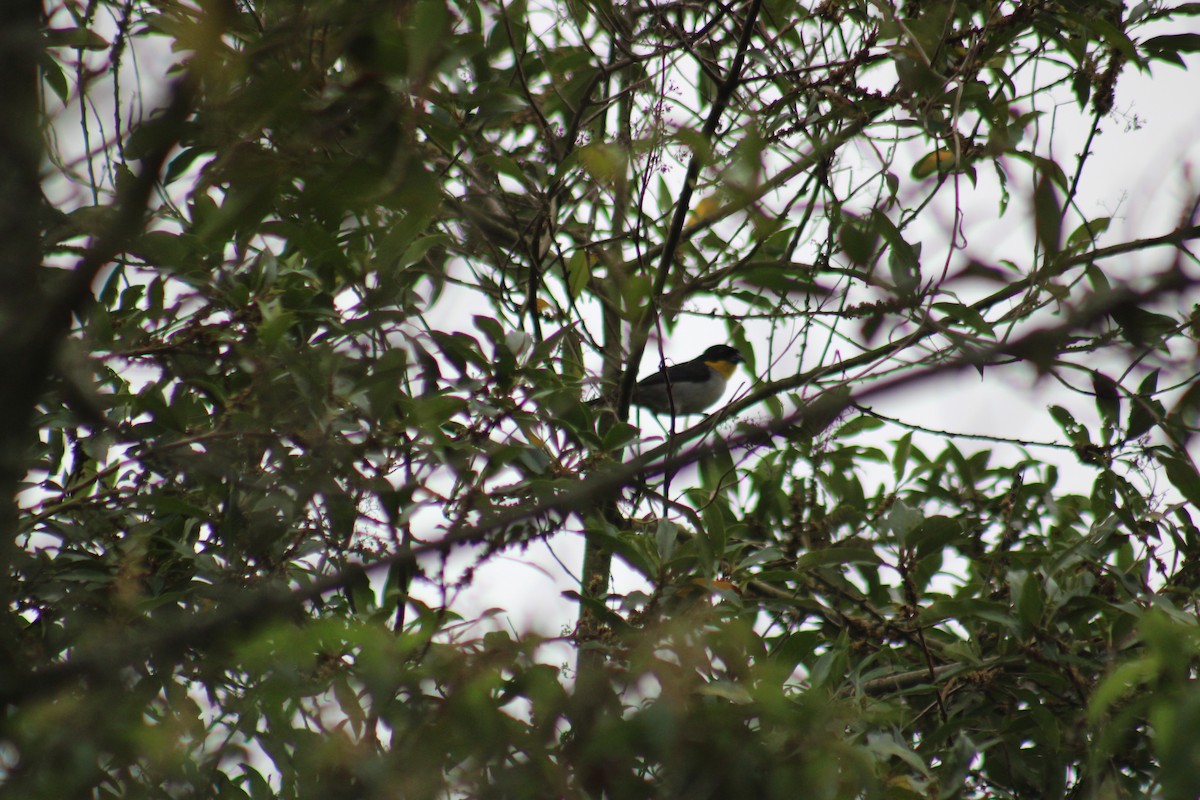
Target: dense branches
pixel 299 353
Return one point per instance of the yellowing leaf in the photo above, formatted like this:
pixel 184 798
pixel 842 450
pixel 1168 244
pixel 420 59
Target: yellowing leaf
pixel 940 161
pixel 706 208
pixel 604 162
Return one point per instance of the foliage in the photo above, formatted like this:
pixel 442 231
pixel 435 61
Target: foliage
pixel 305 308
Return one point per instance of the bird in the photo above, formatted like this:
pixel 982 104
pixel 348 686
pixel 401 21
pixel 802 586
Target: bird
pixel 693 385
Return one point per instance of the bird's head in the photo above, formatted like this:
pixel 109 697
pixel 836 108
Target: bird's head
pixel 723 358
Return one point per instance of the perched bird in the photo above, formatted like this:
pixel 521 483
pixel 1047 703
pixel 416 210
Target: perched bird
pixel 695 385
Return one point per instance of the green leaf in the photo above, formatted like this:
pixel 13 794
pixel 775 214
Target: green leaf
pixel 858 240
pixel 1145 411
pixel 1126 678
pixel 860 424
pixel 1047 214
pixel 490 328
pixel 1182 475
pixel 635 292
pixel 180 163
pixel 1076 432
pixel 1108 398
pixel 618 435
pixel 934 534
pixel 836 556
pixel 782 278
pixel 427 36
pixel 1086 234
pixel 665 537
pixel 1047 169
pixel 418 249
pixel 1175 719
pixel 968 316
pixel 902 519
pixel 55 77
pixel 81 38
pixel 460 349
pixel 1028 598
pixel 904 259
pixel 1168 47
pixel 420 197
pixel 1144 328
pixel 579 272
pixel 607 163
pixel 900 456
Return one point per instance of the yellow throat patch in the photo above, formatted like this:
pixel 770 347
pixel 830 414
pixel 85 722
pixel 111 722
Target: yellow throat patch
pixel 724 368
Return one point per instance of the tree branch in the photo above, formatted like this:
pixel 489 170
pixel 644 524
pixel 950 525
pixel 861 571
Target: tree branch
pixel 682 205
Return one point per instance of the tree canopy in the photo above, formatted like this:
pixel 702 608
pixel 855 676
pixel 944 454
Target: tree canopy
pixel 302 306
